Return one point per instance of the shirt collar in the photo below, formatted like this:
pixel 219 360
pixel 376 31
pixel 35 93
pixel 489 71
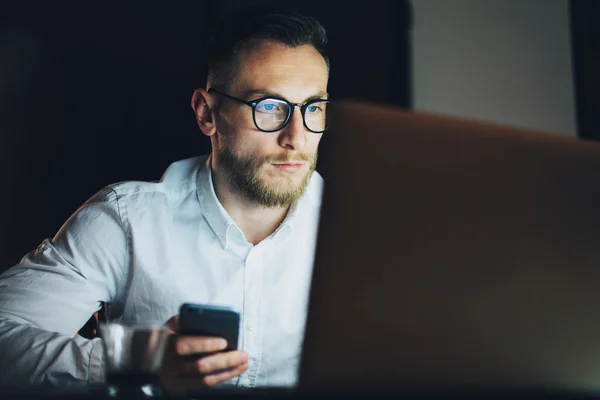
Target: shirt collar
pixel 218 218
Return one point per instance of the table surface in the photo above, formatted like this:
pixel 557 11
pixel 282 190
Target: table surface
pixel 221 394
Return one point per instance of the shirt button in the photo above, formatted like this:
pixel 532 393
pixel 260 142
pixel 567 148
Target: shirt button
pixel 249 327
pixel 246 383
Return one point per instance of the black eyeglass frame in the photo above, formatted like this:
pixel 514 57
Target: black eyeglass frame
pixel 291 108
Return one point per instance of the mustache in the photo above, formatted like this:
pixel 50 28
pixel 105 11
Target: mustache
pixel 287 158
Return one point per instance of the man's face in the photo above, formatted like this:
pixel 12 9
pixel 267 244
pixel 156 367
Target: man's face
pixel 270 169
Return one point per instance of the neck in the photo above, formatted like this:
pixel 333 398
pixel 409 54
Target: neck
pixel 255 221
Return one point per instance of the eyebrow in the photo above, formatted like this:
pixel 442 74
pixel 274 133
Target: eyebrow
pixel 256 93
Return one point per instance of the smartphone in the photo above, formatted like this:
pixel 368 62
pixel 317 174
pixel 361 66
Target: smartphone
pixel 208 320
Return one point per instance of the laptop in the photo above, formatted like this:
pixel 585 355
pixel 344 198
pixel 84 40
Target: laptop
pixel 454 254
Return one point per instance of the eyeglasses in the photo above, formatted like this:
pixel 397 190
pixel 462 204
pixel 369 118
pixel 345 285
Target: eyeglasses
pixel 271 114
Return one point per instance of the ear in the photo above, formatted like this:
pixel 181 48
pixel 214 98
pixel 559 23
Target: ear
pixel 203 109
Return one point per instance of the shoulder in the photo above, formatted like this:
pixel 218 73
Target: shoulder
pixel 177 183
pixel 178 180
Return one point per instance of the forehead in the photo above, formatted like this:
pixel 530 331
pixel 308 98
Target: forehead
pixel 295 72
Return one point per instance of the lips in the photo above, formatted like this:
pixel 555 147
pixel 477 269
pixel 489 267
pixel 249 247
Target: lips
pixel 288 167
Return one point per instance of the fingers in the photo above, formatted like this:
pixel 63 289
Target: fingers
pixel 210 370
pixel 207 372
pixel 173 324
pixel 177 386
pixel 179 347
pixel 221 361
pixel 220 377
pixel 185 345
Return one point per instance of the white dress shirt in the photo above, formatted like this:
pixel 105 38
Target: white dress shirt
pixel 144 249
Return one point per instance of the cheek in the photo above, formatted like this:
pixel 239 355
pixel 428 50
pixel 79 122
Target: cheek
pixel 252 145
pixel 261 143
pixel 234 126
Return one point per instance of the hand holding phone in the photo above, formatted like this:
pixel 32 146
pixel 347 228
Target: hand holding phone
pixel 198 356
pixel 208 320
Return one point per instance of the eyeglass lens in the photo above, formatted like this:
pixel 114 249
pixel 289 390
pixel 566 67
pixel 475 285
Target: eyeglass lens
pixel 272 114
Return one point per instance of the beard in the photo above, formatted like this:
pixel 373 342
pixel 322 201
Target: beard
pixel 245 175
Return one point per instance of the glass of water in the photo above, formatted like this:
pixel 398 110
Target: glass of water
pixel 133 356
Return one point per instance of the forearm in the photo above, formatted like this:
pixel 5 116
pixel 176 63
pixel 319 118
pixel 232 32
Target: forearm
pixel 31 356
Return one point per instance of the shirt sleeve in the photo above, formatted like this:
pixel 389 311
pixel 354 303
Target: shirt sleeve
pixel 54 290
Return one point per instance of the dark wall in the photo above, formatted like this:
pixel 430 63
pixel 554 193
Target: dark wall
pixel 96 93
pixel 585 42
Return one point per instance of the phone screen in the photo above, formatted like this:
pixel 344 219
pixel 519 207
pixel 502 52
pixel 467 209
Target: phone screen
pixel 210 320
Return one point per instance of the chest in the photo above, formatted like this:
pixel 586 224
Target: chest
pixel 268 283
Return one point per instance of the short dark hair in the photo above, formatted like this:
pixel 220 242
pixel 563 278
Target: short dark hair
pixel 240 30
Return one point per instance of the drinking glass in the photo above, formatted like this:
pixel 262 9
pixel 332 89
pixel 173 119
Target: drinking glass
pixel 133 354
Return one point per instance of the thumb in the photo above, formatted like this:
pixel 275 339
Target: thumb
pixel 173 324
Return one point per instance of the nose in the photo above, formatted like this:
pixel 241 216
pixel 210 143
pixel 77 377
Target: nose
pixel 293 136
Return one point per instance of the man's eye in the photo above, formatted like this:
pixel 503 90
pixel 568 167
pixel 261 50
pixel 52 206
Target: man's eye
pixel 267 107
pixel 313 109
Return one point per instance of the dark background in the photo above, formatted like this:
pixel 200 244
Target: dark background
pixel 96 93
pixel 93 95
pixel 585 45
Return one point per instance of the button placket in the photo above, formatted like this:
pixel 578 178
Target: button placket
pixel 252 313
